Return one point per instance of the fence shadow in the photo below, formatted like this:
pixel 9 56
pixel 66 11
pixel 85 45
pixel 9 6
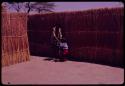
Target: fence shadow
pixel 78 59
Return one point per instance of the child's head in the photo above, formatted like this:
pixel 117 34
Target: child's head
pixel 63 40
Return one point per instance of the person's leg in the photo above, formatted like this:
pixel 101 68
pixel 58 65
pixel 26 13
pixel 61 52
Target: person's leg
pixel 56 52
pixel 56 58
pixel 62 57
pixel 53 49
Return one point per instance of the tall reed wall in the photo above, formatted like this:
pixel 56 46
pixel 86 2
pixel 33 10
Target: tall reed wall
pixel 94 35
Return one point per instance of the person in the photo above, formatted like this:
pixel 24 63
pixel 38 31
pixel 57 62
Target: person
pixel 56 36
pixel 64 47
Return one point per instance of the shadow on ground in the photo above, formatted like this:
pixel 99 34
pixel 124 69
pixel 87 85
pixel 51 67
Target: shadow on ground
pixel 80 59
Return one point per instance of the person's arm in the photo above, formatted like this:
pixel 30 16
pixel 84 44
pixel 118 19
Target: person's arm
pixel 55 36
pixel 60 33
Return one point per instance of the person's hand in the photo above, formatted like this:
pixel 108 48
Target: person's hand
pixel 59 29
pixel 54 28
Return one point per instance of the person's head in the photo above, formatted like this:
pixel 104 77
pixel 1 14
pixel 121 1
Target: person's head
pixel 58 25
pixel 63 40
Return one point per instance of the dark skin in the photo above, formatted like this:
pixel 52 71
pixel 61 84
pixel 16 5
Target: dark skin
pixel 60 34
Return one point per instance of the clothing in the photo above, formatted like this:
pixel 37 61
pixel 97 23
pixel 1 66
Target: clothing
pixel 64 45
pixel 65 51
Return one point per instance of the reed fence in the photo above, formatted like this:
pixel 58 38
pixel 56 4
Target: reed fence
pixel 95 35
pixel 15 46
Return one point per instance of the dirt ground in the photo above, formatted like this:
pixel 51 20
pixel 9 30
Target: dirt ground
pixel 41 71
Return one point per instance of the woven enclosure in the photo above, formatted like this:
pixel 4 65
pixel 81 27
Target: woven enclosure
pixel 94 35
pixel 15 47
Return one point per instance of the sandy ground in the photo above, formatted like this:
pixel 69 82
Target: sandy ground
pixel 40 71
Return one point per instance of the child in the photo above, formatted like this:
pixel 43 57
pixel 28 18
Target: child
pixel 56 36
pixel 64 46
